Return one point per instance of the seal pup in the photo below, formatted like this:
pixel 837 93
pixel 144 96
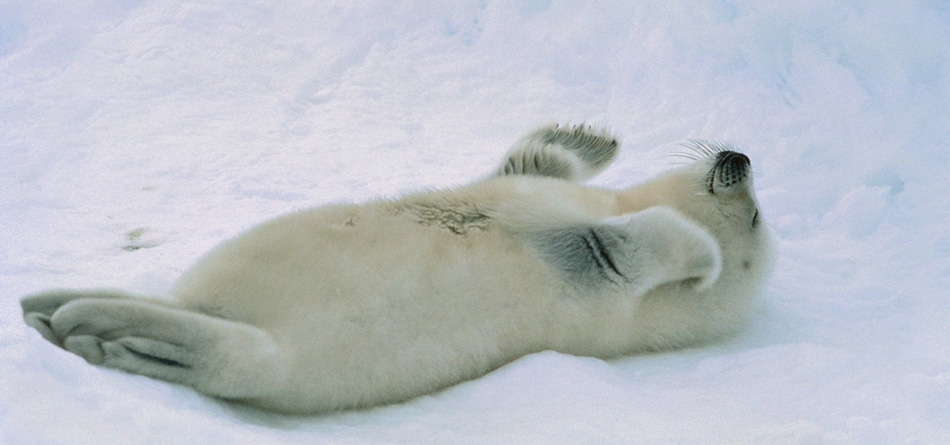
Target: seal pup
pixel 355 305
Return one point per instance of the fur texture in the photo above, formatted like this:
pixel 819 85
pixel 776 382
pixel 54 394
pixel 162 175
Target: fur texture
pixel 356 305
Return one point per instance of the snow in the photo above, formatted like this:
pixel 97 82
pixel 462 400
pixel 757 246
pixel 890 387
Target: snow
pixel 135 135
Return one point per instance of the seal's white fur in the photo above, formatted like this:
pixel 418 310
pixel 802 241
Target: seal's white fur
pixel 356 305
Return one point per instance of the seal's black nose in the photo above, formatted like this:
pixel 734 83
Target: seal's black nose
pixel 729 169
pixel 732 157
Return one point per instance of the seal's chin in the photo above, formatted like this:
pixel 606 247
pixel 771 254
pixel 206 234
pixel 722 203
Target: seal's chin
pixel 729 169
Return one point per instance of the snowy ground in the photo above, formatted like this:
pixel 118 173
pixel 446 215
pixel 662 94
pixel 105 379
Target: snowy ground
pixel 135 135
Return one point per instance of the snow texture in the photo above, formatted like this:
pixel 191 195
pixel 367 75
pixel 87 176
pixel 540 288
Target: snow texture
pixel 135 135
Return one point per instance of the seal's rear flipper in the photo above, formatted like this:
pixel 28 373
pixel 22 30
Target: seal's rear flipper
pixel 572 153
pixel 220 357
pixel 38 309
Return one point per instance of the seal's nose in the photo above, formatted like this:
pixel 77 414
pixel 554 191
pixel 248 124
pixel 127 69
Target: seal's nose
pixel 729 169
pixel 733 157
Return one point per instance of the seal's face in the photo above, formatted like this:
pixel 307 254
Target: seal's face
pixel 715 190
pixel 729 180
pixel 728 207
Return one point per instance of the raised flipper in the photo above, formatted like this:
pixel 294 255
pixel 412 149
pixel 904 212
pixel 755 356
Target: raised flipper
pixel 216 356
pixel 572 153
pixel 638 251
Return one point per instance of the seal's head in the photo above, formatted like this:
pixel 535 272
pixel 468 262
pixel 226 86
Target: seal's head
pixel 715 190
pixel 727 182
pixel 722 198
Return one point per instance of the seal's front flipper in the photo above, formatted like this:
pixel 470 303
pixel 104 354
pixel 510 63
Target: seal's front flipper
pixel 219 357
pixel 572 153
pixel 639 251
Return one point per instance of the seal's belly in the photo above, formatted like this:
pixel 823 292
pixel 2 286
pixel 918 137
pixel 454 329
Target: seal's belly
pixel 335 263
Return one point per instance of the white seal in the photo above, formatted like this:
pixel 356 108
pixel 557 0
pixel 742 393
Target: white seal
pixel 357 305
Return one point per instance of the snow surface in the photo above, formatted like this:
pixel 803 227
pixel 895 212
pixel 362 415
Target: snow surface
pixel 135 135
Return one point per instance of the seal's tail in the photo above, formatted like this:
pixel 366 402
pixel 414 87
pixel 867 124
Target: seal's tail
pixel 574 153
